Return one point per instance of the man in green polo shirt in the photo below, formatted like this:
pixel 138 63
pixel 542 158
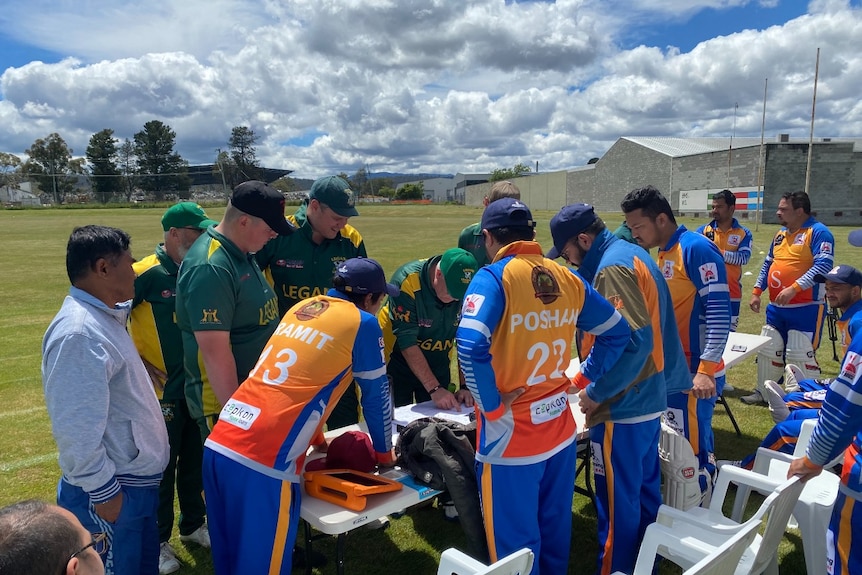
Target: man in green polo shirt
pixel 471 238
pixel 152 325
pixel 419 328
pixel 225 307
pixel 301 265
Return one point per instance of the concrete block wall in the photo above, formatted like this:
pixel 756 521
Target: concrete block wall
pixel 627 166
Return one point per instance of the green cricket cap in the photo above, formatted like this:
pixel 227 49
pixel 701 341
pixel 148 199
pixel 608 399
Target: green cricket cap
pixel 335 193
pixel 186 215
pixel 458 267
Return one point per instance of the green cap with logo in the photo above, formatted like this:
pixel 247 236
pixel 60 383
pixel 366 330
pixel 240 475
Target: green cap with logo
pixel 458 267
pixel 186 215
pixel 335 193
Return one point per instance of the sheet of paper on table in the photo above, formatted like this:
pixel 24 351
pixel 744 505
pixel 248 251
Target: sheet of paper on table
pixel 407 413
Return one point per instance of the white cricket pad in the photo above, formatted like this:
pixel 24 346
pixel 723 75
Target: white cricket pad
pixel 680 471
pixel 800 352
pixel 770 358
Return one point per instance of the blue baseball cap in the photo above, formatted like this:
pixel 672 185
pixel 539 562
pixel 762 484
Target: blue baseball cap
pixel 855 238
pixel 507 212
pixel 569 222
pixel 841 274
pixel 364 276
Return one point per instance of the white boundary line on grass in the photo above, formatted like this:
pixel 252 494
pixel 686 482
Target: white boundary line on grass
pixel 29 462
pixel 27 411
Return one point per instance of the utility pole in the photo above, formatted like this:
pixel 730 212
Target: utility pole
pixel 758 214
pixel 811 133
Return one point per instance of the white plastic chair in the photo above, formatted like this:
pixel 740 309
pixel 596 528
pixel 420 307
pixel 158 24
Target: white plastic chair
pixel 454 562
pixel 814 508
pixel 722 561
pixel 693 534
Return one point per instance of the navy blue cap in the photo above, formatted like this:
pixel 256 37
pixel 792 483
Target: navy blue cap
pixel 841 274
pixel 364 276
pixel 507 212
pixel 569 222
pixel 855 238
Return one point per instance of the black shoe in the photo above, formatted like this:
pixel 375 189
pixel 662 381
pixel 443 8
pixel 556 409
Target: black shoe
pixel 318 559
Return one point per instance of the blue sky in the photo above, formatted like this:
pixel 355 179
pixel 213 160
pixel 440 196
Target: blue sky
pixel 412 86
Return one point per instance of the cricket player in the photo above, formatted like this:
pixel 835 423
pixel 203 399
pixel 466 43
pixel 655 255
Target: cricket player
pixel 801 249
pixel 255 453
pixel 514 342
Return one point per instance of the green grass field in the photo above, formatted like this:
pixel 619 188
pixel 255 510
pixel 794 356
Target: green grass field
pixel 34 283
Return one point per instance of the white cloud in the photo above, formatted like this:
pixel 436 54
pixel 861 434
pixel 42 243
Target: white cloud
pixel 418 85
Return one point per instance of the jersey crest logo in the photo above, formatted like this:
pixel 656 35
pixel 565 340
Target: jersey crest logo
pixel 733 240
pixel 425 322
pixel 667 269
pixel 166 293
pixel 851 366
pixel 616 301
pixel 472 305
pixel 545 285
pixel 826 248
pixel 710 235
pixel 210 316
pixel 708 273
pixel 311 310
pixel 779 237
pixel 799 240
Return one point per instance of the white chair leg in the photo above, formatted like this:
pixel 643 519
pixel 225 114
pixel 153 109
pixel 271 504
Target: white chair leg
pixel 813 524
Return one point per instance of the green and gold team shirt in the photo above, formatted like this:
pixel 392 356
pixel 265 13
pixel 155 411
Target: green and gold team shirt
pixel 153 321
pixel 417 317
pixel 220 288
pixel 297 268
pixel 472 240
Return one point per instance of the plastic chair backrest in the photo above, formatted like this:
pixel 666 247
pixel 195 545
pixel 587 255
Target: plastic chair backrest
pixel 725 559
pixel 776 521
pixel 454 562
pixel 804 437
pixel 518 563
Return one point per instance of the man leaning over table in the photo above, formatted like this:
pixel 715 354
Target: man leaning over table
pixel 624 406
pixel 514 341
pixel 254 456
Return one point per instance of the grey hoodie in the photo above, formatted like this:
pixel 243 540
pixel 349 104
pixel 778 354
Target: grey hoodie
pixel 104 413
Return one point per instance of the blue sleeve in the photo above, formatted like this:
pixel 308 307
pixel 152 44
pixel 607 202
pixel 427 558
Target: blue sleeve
pixel 743 251
pixel 841 414
pixel 612 332
pixel 823 251
pixel 705 269
pixel 621 283
pixel 369 371
pixel 484 303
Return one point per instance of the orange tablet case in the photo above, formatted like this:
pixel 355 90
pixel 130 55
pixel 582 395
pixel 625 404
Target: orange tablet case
pixel 346 487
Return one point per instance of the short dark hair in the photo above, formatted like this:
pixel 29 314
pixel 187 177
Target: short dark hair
pixel 726 195
pixel 649 200
pixel 340 283
pixel 509 234
pixel 35 539
pixel 595 228
pixel 798 200
pixel 88 244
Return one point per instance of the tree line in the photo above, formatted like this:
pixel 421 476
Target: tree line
pixel 148 163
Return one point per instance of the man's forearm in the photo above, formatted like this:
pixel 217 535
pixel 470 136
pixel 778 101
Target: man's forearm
pixel 420 368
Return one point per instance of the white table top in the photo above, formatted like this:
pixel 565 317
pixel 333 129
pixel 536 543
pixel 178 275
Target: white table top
pixel 741 346
pixel 334 519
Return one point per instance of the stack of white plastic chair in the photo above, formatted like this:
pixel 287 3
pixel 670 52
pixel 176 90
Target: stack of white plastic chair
pixel 722 561
pixel 814 508
pixel 691 535
pixel 454 562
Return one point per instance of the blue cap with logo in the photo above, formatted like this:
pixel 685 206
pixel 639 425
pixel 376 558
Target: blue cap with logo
pixel 364 276
pixel 569 222
pixel 507 212
pixel 842 274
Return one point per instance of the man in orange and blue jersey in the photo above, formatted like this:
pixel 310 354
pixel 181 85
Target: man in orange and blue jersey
pixel 838 429
pixel 254 456
pixel 625 405
pixel 514 341
pixel 695 273
pixel 734 243
pixel 801 249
